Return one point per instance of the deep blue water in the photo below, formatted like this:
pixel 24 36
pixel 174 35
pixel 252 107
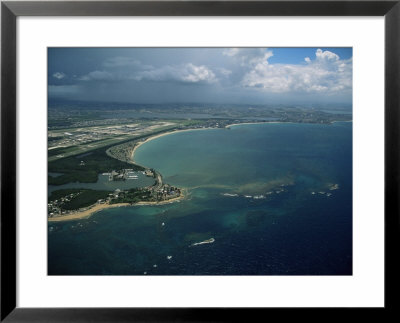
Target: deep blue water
pixel 285 230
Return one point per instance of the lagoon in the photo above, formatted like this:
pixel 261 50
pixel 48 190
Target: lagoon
pixel 104 184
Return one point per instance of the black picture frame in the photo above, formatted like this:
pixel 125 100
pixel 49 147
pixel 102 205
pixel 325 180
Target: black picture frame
pixel 10 10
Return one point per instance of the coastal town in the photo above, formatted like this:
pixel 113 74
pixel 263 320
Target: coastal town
pixel 68 204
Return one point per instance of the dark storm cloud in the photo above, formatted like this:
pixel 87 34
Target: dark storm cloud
pixel 220 75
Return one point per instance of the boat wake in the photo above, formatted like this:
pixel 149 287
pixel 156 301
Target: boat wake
pixel 203 242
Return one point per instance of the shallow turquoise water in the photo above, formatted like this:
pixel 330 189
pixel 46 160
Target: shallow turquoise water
pixel 249 187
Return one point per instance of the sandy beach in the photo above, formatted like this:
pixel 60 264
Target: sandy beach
pixel 98 207
pixel 85 214
pixel 238 124
pixel 161 135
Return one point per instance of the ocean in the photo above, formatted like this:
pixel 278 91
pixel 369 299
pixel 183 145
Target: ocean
pixel 276 198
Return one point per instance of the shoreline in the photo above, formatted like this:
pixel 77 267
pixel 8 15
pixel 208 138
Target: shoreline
pixel 185 130
pixel 276 122
pixel 238 124
pixel 173 200
pixel 86 213
pixel 99 207
pixel 193 129
pixel 159 136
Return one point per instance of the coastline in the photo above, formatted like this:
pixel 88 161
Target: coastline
pixel 99 207
pixel 159 136
pixel 238 124
pixel 173 200
pixel 193 129
pixel 290 122
pixel 86 213
pixel 342 121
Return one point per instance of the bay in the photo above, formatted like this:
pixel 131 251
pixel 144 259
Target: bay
pixel 275 197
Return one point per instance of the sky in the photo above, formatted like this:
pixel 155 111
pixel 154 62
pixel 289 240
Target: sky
pixel 202 75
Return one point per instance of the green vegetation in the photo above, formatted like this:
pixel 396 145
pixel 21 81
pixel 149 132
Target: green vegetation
pixel 55 138
pixel 95 163
pixel 133 195
pixel 60 151
pixel 81 197
pixel 58 194
pixel 83 148
pixel 87 172
pixel 107 142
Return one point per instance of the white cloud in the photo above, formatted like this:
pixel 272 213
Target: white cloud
pixel 59 75
pixel 186 73
pixel 326 55
pixel 125 69
pixel 249 56
pixel 326 74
